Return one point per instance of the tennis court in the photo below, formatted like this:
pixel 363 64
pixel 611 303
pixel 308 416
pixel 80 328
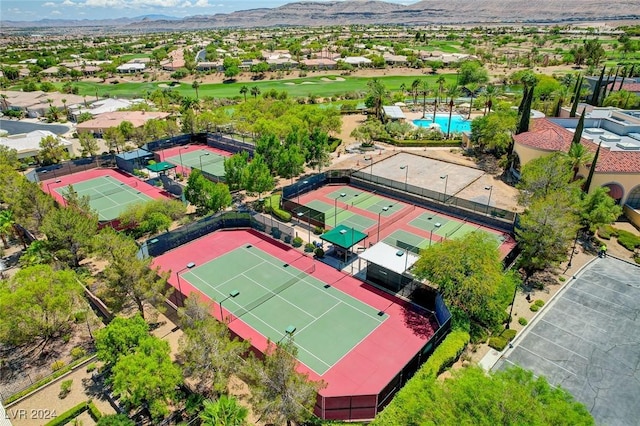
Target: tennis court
pixel 407 241
pixel 366 201
pixel 343 216
pixel 107 195
pixel 201 159
pixel 276 298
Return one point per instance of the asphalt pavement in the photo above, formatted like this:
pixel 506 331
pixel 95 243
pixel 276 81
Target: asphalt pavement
pixel 14 127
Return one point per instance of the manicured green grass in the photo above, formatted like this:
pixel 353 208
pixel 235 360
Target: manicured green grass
pixel 314 86
pixel 442 46
pixel 131 56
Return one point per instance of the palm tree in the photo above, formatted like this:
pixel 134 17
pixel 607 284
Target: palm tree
pixel 243 91
pixel 471 87
pixel 490 92
pixel 255 91
pixel 450 114
pixel 377 92
pixel 414 90
pixel 8 226
pixel 195 86
pixel 64 104
pixel 441 82
pixel 578 156
pixel 224 412
pixel 424 89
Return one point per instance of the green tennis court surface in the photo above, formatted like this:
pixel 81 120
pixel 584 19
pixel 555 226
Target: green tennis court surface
pixel 201 159
pixel 343 217
pixel 406 241
pixel 107 195
pixel 271 296
pixel 367 201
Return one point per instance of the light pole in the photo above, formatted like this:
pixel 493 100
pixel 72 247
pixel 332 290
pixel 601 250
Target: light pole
pixel 189 266
pixel 513 302
pixel 446 181
pixel 573 248
pixel 304 182
pixel 300 214
pixel 490 189
pixel 203 155
pixel 335 209
pixel 406 175
pixel 233 293
pixel 435 225
pixel 370 170
pixel 384 209
pixel 182 165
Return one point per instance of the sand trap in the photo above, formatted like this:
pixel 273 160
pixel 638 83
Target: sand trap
pixel 168 86
pixel 326 79
pixel 308 82
pixel 290 84
pixel 339 79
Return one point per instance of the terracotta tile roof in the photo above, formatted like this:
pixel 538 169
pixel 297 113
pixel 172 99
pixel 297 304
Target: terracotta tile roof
pixel 548 136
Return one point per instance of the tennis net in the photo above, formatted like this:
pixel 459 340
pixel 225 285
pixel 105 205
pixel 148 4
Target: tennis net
pixel 456 229
pixel 101 194
pixel 273 293
pixel 217 159
pixel 362 198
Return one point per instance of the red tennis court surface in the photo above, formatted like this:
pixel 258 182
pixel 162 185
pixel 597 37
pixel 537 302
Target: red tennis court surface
pixel 366 377
pixel 51 185
pixel 389 223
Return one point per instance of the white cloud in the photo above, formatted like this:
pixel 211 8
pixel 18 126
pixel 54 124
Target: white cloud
pixel 68 3
pixel 49 4
pixel 133 4
pixel 56 12
pixel 201 3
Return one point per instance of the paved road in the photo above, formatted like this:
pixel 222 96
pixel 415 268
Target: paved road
pixel 15 127
pixel 587 341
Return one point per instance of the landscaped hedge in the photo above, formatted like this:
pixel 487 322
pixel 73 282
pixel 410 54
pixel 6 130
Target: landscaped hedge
pixel 452 143
pixel 400 410
pixel 628 240
pixel 44 381
pixel 93 411
pixel 272 205
pixel 334 143
pixel 69 415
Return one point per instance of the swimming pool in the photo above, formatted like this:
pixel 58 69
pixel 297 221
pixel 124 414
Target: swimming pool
pixel 458 123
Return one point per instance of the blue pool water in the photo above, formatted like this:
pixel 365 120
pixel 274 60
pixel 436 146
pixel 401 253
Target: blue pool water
pixel 458 123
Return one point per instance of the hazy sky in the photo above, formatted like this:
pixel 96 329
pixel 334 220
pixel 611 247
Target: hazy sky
pixel 32 10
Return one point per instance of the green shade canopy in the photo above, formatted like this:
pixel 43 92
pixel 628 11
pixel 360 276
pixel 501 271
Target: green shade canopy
pixel 160 167
pixel 343 236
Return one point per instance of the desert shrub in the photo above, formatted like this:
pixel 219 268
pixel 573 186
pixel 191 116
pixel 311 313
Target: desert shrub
pixel 297 242
pixel 534 308
pixel 65 388
pixel 508 334
pixel 607 231
pixel 562 279
pixel 91 367
pixel 309 247
pixel 523 321
pixel 319 252
pixel 78 352
pixel 318 230
pixel 628 240
pixel 57 365
pixel 498 343
pixel 539 303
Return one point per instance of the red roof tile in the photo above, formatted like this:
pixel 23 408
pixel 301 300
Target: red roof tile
pixel 548 136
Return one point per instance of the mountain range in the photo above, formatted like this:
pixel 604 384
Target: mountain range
pixel 426 12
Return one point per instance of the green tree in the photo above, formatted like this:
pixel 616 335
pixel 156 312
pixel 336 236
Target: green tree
pixel 69 234
pixel 188 121
pixel 121 337
pixel 85 116
pixel 115 420
pixel 208 353
pixel 255 91
pixel 472 72
pixel 208 197
pixel 52 150
pixel 29 203
pixel 231 67
pixel 257 178
pixel 511 397
pixel 88 144
pixel 578 155
pixel 547 228
pixel 599 209
pixel 9 157
pixel 278 392
pixel 268 147
pixel 37 253
pixel 147 377
pixel 493 132
pixel 469 275
pixel 225 411
pixel 234 169
pixel 38 302
pixel 195 85
pixel 114 139
pixel 377 94
pixel 545 175
pixel 243 91
pixel 126 128
pixel 128 278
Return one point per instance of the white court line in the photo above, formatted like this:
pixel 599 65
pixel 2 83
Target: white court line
pixel 316 319
pixel 322 282
pixel 586 307
pixel 570 332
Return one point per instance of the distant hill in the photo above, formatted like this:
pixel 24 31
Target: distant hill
pixel 426 12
